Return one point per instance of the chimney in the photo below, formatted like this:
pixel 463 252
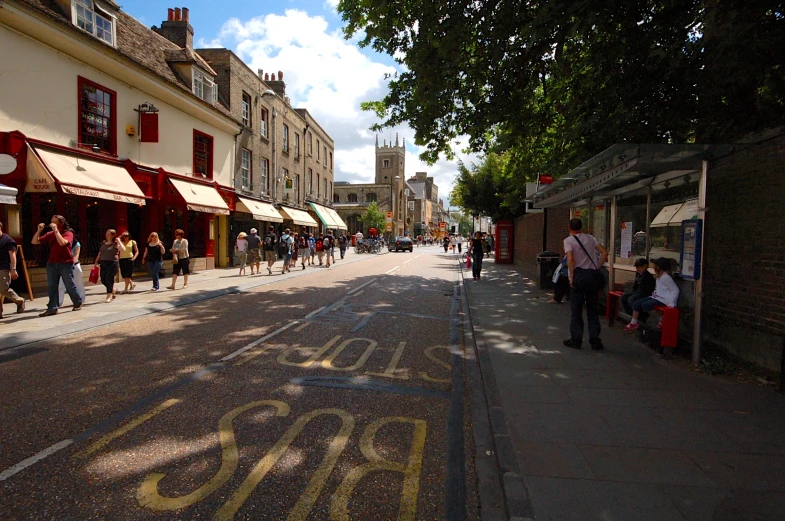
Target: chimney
pixel 277 85
pixel 177 29
pixel 261 74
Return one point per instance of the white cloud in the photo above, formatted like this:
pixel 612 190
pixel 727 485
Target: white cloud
pixel 330 77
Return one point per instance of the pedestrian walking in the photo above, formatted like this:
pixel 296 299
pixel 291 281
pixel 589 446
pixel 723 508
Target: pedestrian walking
pixel 295 250
pixel 666 293
pixel 181 259
pixel 312 248
pixel 459 242
pixel 254 255
pixel 303 249
pixel 241 249
pixel 108 261
pixel 320 248
pixel 329 247
pixel 78 276
pixel 453 243
pixel 446 243
pixel 285 249
pixel 490 245
pixel 154 258
pixel 8 272
pixel 60 265
pixel 586 281
pixel 268 246
pixel 127 258
pixel 476 253
pixel 343 243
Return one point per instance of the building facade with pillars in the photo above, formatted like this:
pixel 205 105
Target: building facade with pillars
pixel 388 190
pixel 116 126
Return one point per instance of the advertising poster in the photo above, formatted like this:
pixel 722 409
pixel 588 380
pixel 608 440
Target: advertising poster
pixel 626 240
pixel 691 232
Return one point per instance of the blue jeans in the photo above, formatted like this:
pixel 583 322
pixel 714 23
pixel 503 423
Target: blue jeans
pixel 476 264
pixel 646 304
pixel 155 269
pixel 628 299
pixel 577 298
pixel 54 272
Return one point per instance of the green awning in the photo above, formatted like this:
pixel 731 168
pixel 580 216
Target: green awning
pixel 324 216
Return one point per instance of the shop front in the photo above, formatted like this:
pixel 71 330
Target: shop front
pixel 295 219
pixel 329 217
pixel 635 199
pixel 251 213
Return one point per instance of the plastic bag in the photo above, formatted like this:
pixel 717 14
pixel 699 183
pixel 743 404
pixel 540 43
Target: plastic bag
pixel 468 262
pixel 94 273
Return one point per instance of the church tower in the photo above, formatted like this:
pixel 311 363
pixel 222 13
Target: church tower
pixel 390 161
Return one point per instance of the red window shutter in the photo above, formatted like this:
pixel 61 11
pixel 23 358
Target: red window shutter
pixel 148 127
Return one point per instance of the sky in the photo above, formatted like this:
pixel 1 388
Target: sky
pixel 324 73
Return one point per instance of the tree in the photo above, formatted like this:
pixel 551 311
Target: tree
pixel 558 81
pixel 373 217
pixel 488 188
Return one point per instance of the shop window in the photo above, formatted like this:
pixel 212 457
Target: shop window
pixel 92 19
pixel 265 168
pixel 97 123
pixel 246 110
pixel 245 169
pixel 285 139
pixel 196 234
pixel 370 197
pixel 263 123
pixel 352 198
pixel 203 154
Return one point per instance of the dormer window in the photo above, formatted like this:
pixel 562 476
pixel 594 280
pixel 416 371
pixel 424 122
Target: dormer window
pixel 90 18
pixel 204 87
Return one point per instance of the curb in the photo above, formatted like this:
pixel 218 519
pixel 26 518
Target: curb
pixel 28 338
pixel 493 441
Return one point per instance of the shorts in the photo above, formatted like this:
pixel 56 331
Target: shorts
pixel 320 254
pixel 287 259
pixel 242 256
pixel 254 255
pixel 269 256
pixel 126 268
pixel 313 251
pixel 183 265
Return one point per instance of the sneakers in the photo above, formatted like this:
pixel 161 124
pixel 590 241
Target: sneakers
pixel 629 328
pixel 77 307
pixel 20 308
pixel 48 313
pixel 570 343
pixel 269 270
pixel 185 286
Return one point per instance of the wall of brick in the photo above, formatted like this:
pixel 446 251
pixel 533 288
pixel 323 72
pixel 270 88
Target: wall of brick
pixel 528 238
pixel 744 279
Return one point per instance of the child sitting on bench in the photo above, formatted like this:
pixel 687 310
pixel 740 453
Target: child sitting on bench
pixel 666 293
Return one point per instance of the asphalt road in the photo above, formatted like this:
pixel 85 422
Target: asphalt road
pixel 336 395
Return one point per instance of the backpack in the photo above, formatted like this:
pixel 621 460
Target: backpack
pixel 283 245
pixel 319 245
pixel 326 243
pixel 303 244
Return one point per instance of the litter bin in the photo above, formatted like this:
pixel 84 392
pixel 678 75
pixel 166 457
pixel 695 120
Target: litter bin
pixel 548 263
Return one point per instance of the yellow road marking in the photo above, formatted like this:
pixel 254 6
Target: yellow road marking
pixel 98 445
pixel 316 353
pixel 429 353
pixel 148 495
pixel 250 355
pixel 327 363
pixel 315 486
pixel 393 365
pixel 302 326
pixel 339 507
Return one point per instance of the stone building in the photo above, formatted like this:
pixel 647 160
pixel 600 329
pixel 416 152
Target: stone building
pixel 424 204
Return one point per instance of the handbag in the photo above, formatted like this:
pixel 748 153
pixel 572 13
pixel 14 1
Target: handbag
pixel 587 280
pixel 94 274
pixel 468 261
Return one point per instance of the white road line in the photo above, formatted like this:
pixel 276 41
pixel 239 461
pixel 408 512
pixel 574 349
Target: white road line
pixel 314 312
pixel 32 460
pixel 358 293
pixel 390 271
pixel 362 286
pixel 257 342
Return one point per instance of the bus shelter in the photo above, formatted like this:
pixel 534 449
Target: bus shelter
pixel 634 199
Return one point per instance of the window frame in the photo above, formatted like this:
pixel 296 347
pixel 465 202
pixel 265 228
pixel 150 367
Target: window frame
pixel 246 169
pixel 310 181
pixel 263 126
pixel 351 198
pixel 318 148
pixel 96 12
pixel 385 163
pixel 81 82
pixel 245 109
pixel 204 80
pixel 318 185
pixel 285 138
pixel 210 159
pixel 296 145
pixel 324 157
pixel 265 175
pixel 310 143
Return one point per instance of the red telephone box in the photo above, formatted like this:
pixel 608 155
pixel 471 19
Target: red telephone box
pixel 504 242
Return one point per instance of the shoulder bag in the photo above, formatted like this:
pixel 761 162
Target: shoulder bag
pixel 587 280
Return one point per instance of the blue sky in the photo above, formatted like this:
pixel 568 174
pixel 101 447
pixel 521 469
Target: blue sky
pixel 323 72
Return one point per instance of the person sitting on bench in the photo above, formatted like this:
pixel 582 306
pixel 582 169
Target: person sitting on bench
pixel 643 287
pixel 666 293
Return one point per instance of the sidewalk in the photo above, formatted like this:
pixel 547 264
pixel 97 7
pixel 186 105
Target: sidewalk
pixel 28 327
pixel 618 434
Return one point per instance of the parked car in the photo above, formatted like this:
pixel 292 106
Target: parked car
pixel 402 244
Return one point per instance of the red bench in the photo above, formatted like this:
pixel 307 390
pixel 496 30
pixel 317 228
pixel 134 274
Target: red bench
pixel 670 326
pixel 612 302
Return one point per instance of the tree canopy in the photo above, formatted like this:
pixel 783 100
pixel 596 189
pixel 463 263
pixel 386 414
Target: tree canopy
pixel 373 217
pixel 554 82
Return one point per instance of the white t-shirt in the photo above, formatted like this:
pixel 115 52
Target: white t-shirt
pixel 460 239
pixel 581 260
pixel 666 291
pixel 242 245
pixel 359 236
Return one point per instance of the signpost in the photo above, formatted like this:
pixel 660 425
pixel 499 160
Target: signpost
pixel 389 218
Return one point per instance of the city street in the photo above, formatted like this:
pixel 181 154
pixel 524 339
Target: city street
pixel 333 393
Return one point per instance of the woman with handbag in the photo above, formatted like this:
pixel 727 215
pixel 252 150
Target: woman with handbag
pixel 586 281
pixel 181 261
pixel 154 258
pixel 108 261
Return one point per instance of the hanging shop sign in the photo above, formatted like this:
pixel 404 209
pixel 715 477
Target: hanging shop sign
pixel 7 164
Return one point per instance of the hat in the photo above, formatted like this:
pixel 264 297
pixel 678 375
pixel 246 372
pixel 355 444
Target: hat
pixel 241 235
pixel 253 230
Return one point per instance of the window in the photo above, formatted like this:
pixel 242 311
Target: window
pixel 317 185
pixel 287 183
pixel 285 140
pixel 325 188
pixel 352 198
pixel 411 206
pixel 296 145
pixel 246 110
pixel 336 198
pixel 245 169
pixel 263 123
pixel 310 181
pixel 97 124
pixel 318 147
pixel 310 144
pixel 94 20
pixel 386 163
pixel 331 187
pixel 204 87
pixel 370 197
pixel 297 187
pixel 331 160
pixel 265 169
pixel 203 154
pixel 324 157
